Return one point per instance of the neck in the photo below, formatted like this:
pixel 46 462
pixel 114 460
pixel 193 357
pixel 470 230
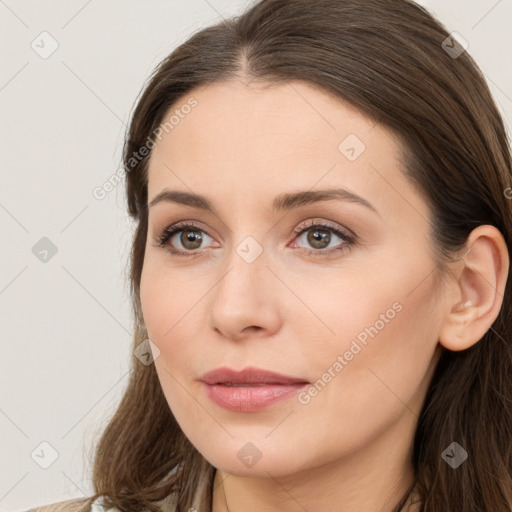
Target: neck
pixel 373 479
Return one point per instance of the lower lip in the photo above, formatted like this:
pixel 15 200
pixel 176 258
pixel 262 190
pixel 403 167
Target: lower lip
pixel 250 398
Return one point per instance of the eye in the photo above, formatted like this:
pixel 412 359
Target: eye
pixel 186 238
pixel 319 236
pixel 189 235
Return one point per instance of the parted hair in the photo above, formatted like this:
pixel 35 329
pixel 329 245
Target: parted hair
pixel 391 60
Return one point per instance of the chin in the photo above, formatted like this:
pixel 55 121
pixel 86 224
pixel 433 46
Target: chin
pixel 260 458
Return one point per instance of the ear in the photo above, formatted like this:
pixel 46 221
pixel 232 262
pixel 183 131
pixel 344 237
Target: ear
pixel 479 289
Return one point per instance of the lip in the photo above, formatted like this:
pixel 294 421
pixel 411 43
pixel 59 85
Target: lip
pixel 250 375
pixel 250 389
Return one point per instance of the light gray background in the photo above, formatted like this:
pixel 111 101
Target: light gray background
pixel 66 323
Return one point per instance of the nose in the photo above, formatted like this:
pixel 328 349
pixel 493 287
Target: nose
pixel 245 302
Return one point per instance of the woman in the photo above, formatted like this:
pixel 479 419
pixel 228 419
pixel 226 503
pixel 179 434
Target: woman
pixel 324 222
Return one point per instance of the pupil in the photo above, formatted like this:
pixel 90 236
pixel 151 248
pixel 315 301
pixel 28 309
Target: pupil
pixel 318 237
pixel 191 236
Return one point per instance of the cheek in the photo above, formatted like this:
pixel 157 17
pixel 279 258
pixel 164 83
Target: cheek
pixel 170 316
pixel 169 300
pixel 174 309
pixel 385 340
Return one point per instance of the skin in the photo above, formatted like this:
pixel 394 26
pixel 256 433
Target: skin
pixel 349 447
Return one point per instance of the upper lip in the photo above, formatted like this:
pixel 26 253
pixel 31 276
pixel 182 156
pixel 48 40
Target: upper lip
pixel 249 375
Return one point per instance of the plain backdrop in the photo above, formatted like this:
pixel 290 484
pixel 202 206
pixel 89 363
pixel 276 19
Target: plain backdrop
pixel 65 311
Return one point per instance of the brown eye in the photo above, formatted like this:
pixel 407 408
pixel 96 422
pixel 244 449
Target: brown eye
pixel 319 238
pixel 183 239
pixel 191 239
pixel 186 239
pixel 322 239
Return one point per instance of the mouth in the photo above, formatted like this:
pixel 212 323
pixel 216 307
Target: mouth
pixel 251 389
pixel 248 384
pixel 250 376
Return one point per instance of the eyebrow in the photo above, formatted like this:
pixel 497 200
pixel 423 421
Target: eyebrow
pixel 282 202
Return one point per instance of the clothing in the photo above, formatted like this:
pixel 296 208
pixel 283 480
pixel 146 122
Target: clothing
pixel 200 504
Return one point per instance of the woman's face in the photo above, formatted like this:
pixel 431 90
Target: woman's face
pixel 338 292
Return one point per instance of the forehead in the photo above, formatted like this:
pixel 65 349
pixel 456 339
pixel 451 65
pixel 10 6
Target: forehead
pixel 259 139
pixel 236 115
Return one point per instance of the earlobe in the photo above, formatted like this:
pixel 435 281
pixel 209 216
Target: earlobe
pixel 480 286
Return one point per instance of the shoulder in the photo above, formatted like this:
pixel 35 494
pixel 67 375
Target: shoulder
pixel 75 505
pixel 85 505
pixel 415 502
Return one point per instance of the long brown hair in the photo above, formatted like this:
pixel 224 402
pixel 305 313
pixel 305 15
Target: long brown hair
pixel 391 59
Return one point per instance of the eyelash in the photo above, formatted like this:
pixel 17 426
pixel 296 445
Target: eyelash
pixel 348 239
